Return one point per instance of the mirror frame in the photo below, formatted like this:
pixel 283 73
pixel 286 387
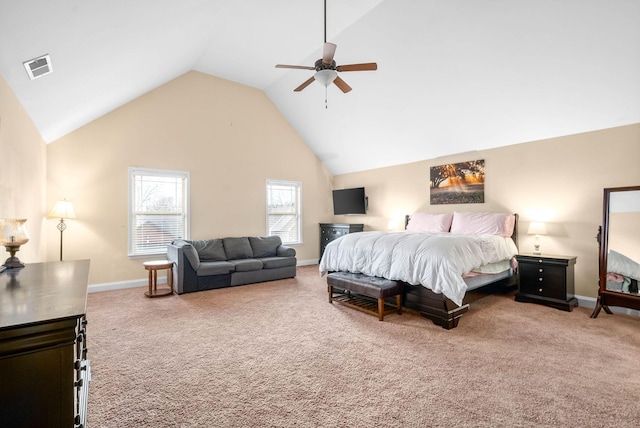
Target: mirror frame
pixel 606 297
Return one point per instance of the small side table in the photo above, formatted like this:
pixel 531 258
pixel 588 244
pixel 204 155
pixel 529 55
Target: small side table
pixel 153 267
pixel 547 279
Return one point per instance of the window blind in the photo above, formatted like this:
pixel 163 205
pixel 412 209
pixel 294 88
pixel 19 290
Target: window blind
pixel 284 210
pixel 158 206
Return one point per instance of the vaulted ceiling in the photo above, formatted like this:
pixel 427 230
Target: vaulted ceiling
pixel 453 76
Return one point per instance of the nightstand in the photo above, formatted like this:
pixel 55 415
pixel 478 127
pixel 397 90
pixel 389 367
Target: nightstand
pixel 547 279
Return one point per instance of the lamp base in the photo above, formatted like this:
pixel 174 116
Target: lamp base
pixel 536 248
pixel 13 262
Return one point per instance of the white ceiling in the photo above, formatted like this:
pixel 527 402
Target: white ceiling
pixel 453 76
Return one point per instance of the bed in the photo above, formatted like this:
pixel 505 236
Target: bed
pixel 444 261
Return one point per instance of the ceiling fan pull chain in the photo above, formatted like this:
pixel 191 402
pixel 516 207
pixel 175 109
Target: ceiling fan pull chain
pixel 325 98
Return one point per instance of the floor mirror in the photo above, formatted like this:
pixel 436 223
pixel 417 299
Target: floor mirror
pixel 619 239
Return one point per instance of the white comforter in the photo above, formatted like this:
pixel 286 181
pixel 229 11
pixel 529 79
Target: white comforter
pixel 435 260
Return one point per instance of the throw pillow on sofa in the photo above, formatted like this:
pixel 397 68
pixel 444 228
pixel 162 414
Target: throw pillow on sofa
pixel 265 246
pixel 237 248
pixel 209 250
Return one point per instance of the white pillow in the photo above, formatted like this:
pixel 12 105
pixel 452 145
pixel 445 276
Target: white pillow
pixel 623 265
pixel 482 223
pixel 425 222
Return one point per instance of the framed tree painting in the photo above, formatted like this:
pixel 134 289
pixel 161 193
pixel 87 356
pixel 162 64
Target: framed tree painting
pixel 457 183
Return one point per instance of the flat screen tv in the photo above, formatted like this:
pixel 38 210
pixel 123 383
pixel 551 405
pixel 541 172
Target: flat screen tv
pixel 349 201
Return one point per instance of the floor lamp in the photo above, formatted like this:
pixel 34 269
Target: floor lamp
pixel 62 209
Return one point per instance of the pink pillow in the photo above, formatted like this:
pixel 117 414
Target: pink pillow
pixel 423 222
pixel 471 223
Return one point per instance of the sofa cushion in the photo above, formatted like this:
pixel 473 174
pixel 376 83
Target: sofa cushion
pixel 215 268
pixel 265 246
pixel 209 250
pixel 277 262
pixel 246 265
pixel 237 248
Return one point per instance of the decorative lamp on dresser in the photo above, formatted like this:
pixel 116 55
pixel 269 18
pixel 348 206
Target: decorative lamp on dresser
pixel 547 279
pixel 332 231
pixel 44 371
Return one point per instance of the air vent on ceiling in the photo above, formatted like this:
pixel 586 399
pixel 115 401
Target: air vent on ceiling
pixel 38 67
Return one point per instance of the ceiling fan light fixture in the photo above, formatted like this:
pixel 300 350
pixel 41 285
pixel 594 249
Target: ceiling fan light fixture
pixel 326 77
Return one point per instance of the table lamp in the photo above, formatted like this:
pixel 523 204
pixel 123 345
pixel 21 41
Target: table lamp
pixel 537 228
pixel 14 234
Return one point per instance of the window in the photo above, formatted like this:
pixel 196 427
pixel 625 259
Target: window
pixel 158 209
pixel 284 210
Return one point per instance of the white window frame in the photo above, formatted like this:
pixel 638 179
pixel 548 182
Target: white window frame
pixel 135 172
pixel 297 187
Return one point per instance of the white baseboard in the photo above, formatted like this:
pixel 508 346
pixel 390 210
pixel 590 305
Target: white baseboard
pixel 107 286
pixel 586 302
pixel 590 302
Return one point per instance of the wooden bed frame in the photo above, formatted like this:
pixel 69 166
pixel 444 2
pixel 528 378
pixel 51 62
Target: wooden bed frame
pixel 441 310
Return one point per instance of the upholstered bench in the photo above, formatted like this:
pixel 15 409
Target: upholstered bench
pixel 356 285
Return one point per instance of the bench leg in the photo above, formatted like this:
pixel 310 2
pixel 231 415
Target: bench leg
pixel 399 303
pixel 330 288
pixel 381 309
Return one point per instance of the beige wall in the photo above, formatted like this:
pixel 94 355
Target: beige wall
pixel 22 174
pixel 560 181
pixel 231 139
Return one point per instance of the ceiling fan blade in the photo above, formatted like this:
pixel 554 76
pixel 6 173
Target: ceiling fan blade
pixel 328 51
pixel 297 67
pixel 342 85
pixel 305 84
pixel 369 66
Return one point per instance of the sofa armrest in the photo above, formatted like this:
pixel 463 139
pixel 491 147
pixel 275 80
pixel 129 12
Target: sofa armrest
pixel 185 264
pixel 284 251
pixel 189 252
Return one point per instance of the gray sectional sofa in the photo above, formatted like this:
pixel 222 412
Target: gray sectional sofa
pixel 225 262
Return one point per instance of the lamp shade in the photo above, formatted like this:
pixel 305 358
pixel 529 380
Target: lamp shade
pixel 537 228
pixel 13 232
pixel 62 209
pixel 326 77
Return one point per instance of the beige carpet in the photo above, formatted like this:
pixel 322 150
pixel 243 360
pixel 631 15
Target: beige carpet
pixel 277 354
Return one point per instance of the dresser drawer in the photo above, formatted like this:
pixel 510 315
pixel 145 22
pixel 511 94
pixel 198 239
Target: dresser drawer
pixel 332 233
pixel 543 280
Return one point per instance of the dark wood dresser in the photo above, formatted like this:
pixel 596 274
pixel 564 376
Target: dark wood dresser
pixel 44 371
pixel 547 279
pixel 332 231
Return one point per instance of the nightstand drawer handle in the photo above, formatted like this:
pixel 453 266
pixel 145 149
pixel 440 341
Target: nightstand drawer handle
pixel 540 270
pixel 540 261
pixel 540 290
pixel 540 279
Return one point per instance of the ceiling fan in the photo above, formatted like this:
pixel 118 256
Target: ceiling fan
pixel 326 68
